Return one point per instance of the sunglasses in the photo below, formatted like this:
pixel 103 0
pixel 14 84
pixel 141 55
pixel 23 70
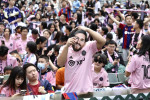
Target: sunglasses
pixel 97 60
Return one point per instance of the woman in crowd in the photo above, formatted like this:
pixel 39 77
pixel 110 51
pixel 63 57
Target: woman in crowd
pixel 30 57
pixel 15 83
pixel 138 67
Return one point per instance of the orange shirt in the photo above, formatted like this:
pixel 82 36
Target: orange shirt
pixel 60 76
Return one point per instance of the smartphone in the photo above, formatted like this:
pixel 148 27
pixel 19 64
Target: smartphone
pixel 117 58
pixel 23 92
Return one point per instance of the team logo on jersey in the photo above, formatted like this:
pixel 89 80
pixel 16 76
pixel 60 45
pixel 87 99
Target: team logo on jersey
pixel 11 44
pixel 83 52
pixel 71 63
pixel 101 79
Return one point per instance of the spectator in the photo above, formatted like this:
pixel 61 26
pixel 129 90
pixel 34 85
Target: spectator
pixel 138 69
pixel 41 43
pixel 2 26
pixel 12 14
pixel 7 70
pixel 30 57
pixel 115 62
pixel 76 5
pixel 68 30
pixel 100 76
pixel 46 72
pixel 74 57
pixel 6 59
pixel 15 83
pixel 35 86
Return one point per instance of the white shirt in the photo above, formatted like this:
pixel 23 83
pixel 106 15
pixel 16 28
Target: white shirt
pixel 97 6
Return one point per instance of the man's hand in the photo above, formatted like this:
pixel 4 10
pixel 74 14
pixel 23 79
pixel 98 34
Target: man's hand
pixel 42 90
pixel 116 61
pixel 71 41
pixel 6 21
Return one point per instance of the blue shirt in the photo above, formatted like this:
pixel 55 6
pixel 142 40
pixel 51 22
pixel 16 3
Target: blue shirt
pixel 76 4
pixel 9 11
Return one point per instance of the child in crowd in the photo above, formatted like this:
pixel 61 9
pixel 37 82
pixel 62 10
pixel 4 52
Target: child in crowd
pixel 46 72
pixel 7 70
pixel 100 76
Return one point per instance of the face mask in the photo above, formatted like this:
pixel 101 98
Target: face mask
pixel 41 66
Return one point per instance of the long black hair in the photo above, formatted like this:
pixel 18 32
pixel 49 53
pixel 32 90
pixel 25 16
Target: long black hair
pixel 145 47
pixel 17 72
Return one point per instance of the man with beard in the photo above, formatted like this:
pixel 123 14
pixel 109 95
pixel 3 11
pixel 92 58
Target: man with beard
pixel 76 56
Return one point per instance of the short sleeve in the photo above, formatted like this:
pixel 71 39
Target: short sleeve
pixel 132 64
pixel 93 46
pixel 121 26
pixel 33 59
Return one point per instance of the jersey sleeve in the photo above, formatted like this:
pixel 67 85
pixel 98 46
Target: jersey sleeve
pixel 121 26
pixel 131 67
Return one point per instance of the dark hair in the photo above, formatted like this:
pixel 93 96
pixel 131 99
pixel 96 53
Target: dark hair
pixel 69 28
pixel 17 72
pixel 44 57
pixel 145 47
pixel 94 27
pixel 56 48
pixel 49 26
pixel 111 26
pixel 73 22
pixel 8 29
pixel 32 46
pixel 127 16
pixel 102 58
pixel 7 68
pixel 140 23
pixel 79 18
pixel 112 42
pixel 3 51
pixel 24 28
pixel 44 24
pixel 135 15
pixel 105 29
pixel 63 38
pixel 35 31
pixel 76 31
pixel 96 20
pixel 41 39
pixel 57 36
pixel 25 66
pixel 109 36
pixel 120 35
pixel 18 27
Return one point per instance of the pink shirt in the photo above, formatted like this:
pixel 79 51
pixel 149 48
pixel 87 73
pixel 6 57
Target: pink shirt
pixel 78 70
pixel 8 92
pixel 100 79
pixel 9 44
pixel 20 45
pixel 50 76
pixel 11 61
pixel 140 72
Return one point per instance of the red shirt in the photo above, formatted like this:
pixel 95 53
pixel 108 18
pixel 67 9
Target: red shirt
pixel 33 89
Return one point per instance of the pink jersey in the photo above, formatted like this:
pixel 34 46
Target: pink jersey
pixel 11 61
pixel 50 76
pixel 8 93
pixel 9 44
pixel 100 79
pixel 140 72
pixel 78 70
pixel 20 45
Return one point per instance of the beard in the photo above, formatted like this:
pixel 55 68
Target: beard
pixel 76 49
